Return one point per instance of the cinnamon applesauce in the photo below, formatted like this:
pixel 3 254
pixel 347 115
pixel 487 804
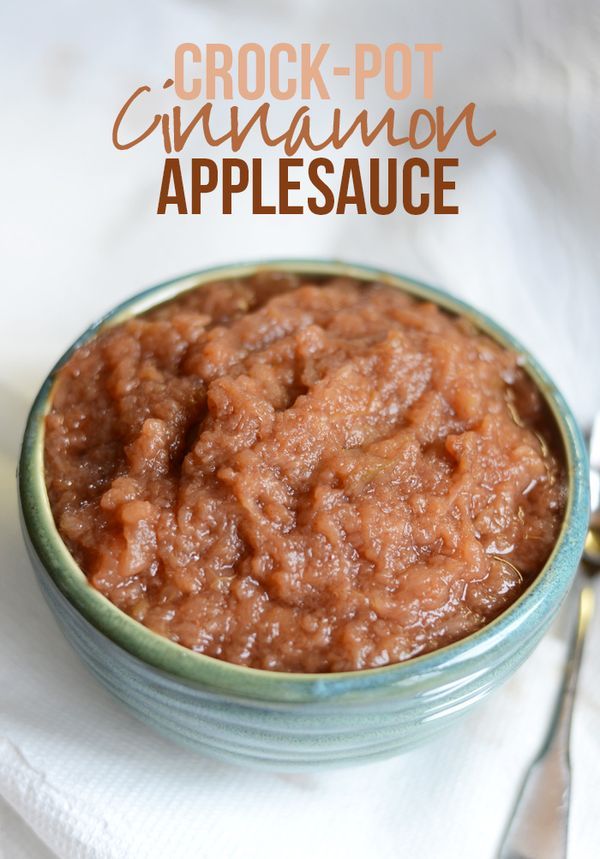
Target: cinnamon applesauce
pixel 303 474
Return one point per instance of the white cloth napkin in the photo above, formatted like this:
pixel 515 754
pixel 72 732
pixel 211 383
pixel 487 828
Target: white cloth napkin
pixel 93 783
pixel 79 777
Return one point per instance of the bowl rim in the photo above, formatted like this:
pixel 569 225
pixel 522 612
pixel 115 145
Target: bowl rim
pixel 540 599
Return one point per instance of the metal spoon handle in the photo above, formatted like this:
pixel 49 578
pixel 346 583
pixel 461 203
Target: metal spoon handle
pixel 538 826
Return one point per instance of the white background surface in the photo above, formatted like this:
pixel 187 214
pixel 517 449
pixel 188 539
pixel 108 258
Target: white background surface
pixel 78 233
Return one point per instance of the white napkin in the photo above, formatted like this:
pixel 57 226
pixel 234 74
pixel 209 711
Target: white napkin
pixel 79 777
pixel 93 783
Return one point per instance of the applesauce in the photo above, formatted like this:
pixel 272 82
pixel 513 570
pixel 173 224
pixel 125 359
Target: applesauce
pixel 303 474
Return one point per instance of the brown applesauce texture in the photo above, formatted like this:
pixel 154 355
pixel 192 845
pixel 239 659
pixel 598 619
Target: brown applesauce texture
pixel 303 475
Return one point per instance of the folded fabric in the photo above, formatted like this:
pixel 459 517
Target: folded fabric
pixel 93 783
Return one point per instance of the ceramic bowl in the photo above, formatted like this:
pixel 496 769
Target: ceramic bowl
pixel 294 721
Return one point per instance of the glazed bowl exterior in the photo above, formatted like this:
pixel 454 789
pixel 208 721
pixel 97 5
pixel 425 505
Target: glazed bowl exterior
pixel 294 721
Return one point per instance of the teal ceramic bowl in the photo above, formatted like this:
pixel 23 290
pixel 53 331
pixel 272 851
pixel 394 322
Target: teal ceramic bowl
pixel 294 721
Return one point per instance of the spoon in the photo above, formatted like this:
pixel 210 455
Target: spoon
pixel 538 825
